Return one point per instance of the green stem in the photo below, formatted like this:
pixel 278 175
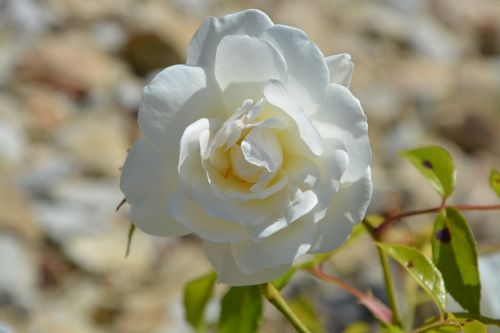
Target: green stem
pixel 388 280
pixel 389 285
pixel 275 298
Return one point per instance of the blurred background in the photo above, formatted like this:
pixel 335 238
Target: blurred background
pixel 71 74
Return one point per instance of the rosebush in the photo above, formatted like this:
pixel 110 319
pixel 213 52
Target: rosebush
pixel 256 145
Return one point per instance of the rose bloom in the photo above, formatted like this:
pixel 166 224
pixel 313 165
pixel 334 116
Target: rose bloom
pixel 256 145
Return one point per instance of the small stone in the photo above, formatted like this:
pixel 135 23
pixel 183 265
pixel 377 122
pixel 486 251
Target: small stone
pixel 12 144
pixel 48 171
pixel 109 35
pixel 128 94
pixel 18 217
pixel 69 62
pixel 99 142
pixel 104 253
pixel 75 208
pixel 146 52
pixel 18 278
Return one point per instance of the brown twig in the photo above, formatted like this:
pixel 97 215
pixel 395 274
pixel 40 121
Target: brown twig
pixel 392 219
pixel 124 200
pixel 379 309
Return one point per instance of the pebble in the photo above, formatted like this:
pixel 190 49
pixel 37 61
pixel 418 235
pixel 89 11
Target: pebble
pixel 12 144
pixel 75 208
pixel 98 141
pixel 19 276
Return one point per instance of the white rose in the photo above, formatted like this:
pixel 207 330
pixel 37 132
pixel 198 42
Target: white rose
pixel 256 145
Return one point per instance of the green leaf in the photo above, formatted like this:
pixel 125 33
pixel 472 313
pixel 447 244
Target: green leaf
pixel 436 164
pixel 483 319
pixel 474 326
pixel 196 296
pixel 304 309
pixel 495 181
pixel 358 327
pixel 422 270
pixel 454 253
pixel 455 325
pixel 241 310
pixel 444 329
pixel 388 328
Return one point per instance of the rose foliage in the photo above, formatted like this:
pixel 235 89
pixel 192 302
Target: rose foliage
pixel 256 145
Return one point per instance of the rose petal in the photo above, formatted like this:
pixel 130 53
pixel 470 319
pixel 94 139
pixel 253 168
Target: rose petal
pixel 228 272
pixel 201 51
pixel 302 204
pixel 261 148
pixel 148 179
pixel 306 133
pixel 175 98
pixel 190 164
pixel 283 247
pixel 243 65
pixel 341 117
pixel 341 68
pixel 307 75
pixel 347 208
pixel 192 216
pixel 332 165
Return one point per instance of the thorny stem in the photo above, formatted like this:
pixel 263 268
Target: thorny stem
pixel 378 308
pixel 274 297
pixel 392 219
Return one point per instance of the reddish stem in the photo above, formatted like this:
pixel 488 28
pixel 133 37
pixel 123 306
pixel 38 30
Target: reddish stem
pixel 391 219
pixel 379 309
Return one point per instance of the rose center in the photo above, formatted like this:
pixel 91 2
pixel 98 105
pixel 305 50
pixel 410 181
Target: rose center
pixel 242 168
pixel 258 157
pixel 245 155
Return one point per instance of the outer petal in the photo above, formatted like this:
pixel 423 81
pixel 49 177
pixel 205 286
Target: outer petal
pixel 283 247
pixel 222 260
pixel 201 51
pixel 307 75
pixel 341 68
pixel 148 179
pixel 347 208
pixel 191 215
pixel 303 204
pixel 175 98
pixel 243 66
pixel 341 117
pixel 333 164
